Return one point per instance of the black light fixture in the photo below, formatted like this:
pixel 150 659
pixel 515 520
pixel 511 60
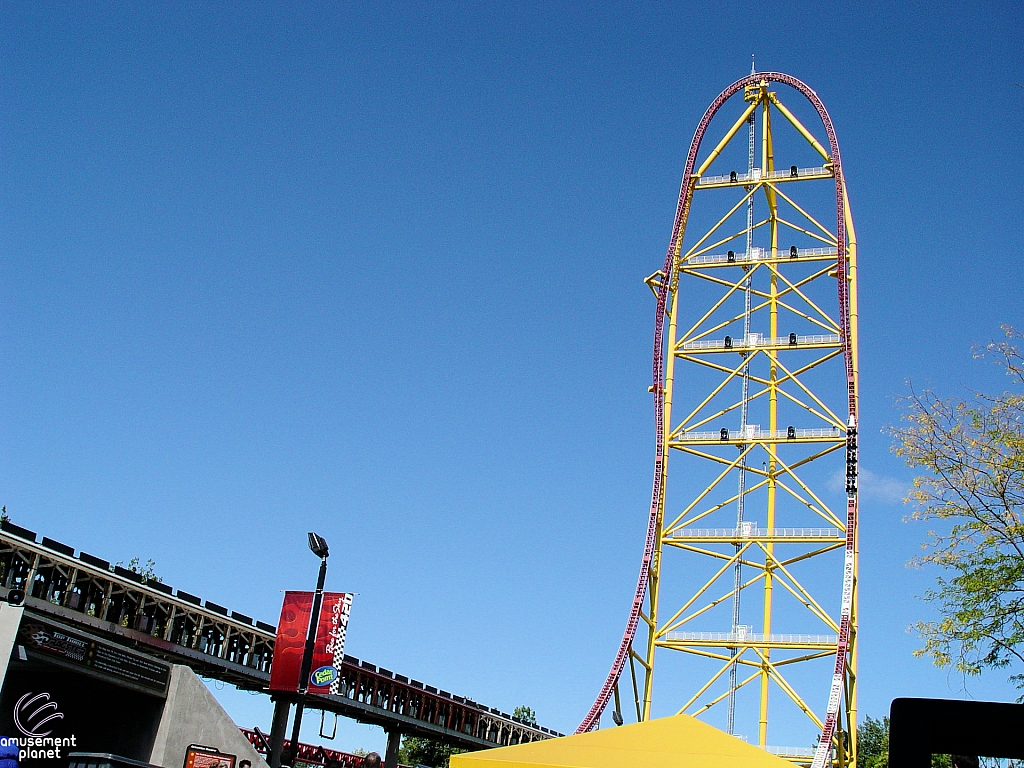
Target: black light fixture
pixel 318 546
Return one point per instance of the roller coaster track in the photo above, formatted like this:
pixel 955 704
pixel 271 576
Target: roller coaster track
pixel 663 284
pixel 308 754
pixel 86 593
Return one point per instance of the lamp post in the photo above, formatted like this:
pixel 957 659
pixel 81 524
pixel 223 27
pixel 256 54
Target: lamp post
pixel 319 548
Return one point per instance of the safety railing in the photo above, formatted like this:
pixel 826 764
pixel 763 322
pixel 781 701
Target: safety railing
pixel 759 533
pixel 755 433
pixel 761 254
pixel 757 175
pixel 758 340
pixel 751 638
pixel 789 751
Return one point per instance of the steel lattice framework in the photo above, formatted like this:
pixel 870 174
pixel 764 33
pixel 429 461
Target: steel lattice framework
pixel 755 392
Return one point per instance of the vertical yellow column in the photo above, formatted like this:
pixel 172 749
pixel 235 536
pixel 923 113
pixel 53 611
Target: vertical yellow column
pixel 767 165
pixel 655 570
pixel 851 267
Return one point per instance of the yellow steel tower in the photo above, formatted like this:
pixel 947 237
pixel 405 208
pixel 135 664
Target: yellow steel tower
pixel 750 569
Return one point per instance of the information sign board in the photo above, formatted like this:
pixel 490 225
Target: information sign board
pixel 197 756
pixel 81 650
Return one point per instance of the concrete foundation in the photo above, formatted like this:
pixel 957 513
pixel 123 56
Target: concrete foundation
pixel 10 622
pixel 192 715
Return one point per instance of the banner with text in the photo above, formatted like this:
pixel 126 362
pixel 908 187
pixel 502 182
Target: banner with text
pixel 328 650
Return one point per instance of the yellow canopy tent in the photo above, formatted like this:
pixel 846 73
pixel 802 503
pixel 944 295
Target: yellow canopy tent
pixel 671 742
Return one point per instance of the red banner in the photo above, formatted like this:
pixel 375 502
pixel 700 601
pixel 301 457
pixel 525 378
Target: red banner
pixel 328 650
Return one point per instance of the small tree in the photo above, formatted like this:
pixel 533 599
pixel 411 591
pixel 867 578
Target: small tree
pixel 873 745
pixel 146 571
pixel 973 454
pixel 416 750
pixel 525 715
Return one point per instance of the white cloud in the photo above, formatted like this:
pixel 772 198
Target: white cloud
pixel 873 487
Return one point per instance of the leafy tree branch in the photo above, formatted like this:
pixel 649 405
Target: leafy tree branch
pixel 972 453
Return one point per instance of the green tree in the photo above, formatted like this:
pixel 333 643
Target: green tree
pixel 146 571
pixel 972 451
pixel 873 745
pixel 525 714
pixel 416 750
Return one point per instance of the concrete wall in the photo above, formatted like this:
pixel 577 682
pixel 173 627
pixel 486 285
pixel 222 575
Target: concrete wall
pixel 193 716
pixel 10 621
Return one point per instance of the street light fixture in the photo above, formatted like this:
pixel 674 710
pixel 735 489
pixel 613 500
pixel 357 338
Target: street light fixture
pixel 318 546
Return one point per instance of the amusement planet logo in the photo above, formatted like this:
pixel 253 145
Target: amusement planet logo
pixel 32 713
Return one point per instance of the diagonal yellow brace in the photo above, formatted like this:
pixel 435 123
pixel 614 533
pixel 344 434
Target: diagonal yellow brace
pixel 785 686
pixel 725 695
pixel 665 628
pixel 800 127
pixel 704 687
pixel 721 221
pixel 806 215
pixel 803 230
pixel 713 603
pixel 711 487
pixel 728 137
pixel 691 254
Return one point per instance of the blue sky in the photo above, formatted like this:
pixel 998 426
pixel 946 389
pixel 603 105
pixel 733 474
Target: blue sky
pixel 375 270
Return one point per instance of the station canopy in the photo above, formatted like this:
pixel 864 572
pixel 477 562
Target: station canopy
pixel 680 741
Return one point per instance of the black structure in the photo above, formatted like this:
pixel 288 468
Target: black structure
pixel 104 760
pixel 919 728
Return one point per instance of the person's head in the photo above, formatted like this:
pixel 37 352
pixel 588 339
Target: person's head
pixel 372 760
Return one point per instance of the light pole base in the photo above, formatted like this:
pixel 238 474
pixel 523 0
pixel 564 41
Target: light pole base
pixel 277 728
pixel 391 754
